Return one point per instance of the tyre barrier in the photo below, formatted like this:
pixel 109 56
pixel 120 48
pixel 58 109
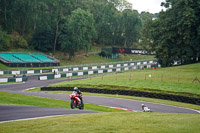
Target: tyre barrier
pixel 176 98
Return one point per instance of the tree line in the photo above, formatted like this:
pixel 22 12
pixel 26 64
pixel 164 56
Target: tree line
pixel 175 35
pixel 68 25
pixel 71 25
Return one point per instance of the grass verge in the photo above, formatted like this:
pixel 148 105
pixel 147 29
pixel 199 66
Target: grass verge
pixel 25 100
pixel 123 122
pixel 95 58
pixel 172 80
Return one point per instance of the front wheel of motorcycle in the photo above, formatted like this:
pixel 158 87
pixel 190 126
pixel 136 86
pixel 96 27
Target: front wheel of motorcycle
pixel 72 104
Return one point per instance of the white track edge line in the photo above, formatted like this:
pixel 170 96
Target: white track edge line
pixel 32 118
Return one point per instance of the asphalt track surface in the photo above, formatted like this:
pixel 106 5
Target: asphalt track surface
pixel 9 113
pixel 14 112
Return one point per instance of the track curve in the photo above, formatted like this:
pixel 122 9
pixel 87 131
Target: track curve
pixel 104 101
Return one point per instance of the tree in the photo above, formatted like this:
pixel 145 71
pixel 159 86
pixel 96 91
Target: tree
pixel 146 40
pixel 81 25
pixel 66 41
pixel 174 35
pixel 58 10
pixel 107 23
pixel 29 18
pixel 121 4
pixel 43 38
pixel 4 41
pixel 18 15
pixel 18 41
pixel 146 17
pixel 131 27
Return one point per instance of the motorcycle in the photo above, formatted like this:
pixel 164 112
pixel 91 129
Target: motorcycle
pixel 145 108
pixel 75 103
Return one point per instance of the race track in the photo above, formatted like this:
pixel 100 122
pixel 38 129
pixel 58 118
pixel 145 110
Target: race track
pixel 25 112
pixel 14 112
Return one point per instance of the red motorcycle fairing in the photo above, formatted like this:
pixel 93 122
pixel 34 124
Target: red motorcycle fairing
pixel 75 102
pixel 73 97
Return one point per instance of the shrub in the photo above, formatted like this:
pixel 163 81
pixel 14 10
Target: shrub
pixel 4 41
pixel 105 54
pixel 18 41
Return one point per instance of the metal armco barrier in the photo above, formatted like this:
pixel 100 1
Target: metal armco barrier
pixel 177 98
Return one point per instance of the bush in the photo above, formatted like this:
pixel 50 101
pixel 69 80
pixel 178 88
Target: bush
pixel 18 41
pixel 4 41
pixel 105 54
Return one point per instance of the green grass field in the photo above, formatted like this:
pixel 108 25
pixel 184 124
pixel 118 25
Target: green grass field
pixel 95 58
pixel 110 120
pixel 123 122
pixel 172 80
pixel 19 99
pixel 167 102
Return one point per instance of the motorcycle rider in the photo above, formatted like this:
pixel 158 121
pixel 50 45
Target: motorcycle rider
pixel 145 108
pixel 78 92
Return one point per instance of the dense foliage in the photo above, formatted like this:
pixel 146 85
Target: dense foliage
pixel 72 25
pixel 69 25
pixel 78 32
pixel 175 35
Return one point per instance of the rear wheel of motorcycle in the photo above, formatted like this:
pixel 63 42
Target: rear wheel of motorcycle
pixel 72 104
pixel 82 106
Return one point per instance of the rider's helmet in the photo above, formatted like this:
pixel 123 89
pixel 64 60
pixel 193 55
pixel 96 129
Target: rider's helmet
pixel 75 88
